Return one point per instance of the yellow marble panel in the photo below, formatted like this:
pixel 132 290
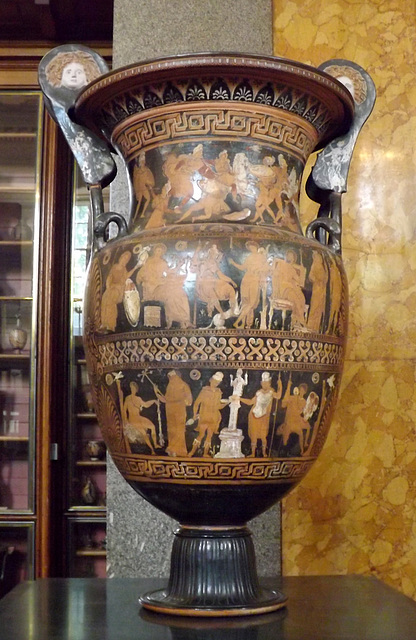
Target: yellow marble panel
pixel 355 511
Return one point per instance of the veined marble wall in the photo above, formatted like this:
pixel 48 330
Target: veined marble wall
pixel 356 511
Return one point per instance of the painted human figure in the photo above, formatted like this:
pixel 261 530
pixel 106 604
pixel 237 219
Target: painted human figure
pixel 165 284
pixel 295 422
pixel 288 278
pixel 138 428
pixel 318 276
pixel 160 205
pixel 180 171
pixel 72 70
pixel 212 285
pixel 211 202
pixel 224 172
pixel 266 178
pixel 253 283
pixel 207 409
pixel 114 290
pixel 259 415
pixel 143 184
pixel 177 398
pixel 238 383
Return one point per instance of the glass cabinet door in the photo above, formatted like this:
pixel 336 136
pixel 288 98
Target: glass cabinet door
pixel 19 195
pixel 20 146
pixel 87 468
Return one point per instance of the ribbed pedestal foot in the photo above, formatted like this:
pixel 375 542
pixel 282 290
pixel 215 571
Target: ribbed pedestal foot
pixel 213 573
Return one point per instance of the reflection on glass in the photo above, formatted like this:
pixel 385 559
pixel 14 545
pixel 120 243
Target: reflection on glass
pixel 19 176
pixel 16 547
pixel 86 523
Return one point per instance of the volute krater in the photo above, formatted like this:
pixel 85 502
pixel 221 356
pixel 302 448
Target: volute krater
pixel 215 329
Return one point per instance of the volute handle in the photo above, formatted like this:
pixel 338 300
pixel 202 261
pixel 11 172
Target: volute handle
pixel 328 179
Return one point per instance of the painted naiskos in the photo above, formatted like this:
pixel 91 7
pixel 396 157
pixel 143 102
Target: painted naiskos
pixel 215 330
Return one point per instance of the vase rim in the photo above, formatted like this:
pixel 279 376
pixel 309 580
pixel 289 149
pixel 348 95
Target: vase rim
pixel 183 66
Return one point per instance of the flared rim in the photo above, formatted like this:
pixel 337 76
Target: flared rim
pixel 254 67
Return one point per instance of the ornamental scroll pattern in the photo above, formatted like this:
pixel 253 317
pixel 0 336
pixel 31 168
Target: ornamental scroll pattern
pixel 221 472
pixel 269 352
pixel 267 128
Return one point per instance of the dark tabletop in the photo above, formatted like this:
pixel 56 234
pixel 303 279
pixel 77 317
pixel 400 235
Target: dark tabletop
pixel 319 608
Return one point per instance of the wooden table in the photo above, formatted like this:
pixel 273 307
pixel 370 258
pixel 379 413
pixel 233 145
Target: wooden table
pixel 319 608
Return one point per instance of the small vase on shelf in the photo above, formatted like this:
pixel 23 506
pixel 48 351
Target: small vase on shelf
pixel 18 337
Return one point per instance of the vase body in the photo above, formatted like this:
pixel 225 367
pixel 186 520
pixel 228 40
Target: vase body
pixel 215 331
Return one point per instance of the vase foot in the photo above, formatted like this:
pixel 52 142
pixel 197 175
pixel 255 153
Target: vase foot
pixel 213 573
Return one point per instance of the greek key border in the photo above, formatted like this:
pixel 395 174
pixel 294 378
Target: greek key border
pixel 183 470
pixel 149 132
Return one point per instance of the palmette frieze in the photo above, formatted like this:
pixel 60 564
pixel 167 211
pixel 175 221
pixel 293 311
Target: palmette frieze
pixel 144 468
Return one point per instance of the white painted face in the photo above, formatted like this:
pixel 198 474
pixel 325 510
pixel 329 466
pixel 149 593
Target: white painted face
pixel 347 82
pixel 73 76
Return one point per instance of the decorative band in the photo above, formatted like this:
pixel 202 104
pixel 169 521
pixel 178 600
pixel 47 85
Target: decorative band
pixel 224 350
pixel 149 469
pixel 284 131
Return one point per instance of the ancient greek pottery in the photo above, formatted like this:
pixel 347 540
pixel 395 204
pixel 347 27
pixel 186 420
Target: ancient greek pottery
pixel 214 328
pixel 95 450
pixel 18 337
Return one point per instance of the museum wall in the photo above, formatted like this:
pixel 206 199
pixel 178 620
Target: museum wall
pixel 355 512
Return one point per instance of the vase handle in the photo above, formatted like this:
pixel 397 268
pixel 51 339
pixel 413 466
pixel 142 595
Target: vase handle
pixel 102 223
pixel 63 73
pixel 328 178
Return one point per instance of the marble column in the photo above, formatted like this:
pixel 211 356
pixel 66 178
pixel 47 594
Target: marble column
pixel 139 536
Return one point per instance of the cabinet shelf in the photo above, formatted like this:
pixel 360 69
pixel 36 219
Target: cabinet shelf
pixel 13 358
pixel 14 439
pixel 91 463
pixel 91 552
pixel 16 243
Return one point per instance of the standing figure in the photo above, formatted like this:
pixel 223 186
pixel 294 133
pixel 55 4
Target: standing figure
pixel 288 278
pixel 238 383
pixel 266 177
pixel 136 427
pixel 259 416
pixel 114 290
pixel 253 283
pixel 143 184
pixel 294 422
pixel 318 276
pixel 225 174
pixel 177 398
pixel 207 409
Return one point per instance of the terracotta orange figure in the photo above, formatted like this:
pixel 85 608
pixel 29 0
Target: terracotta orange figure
pixel 114 291
pixel 177 398
pixel 207 408
pixel 294 421
pixel 143 184
pixel 136 427
pixel 287 281
pixel 259 416
pixel 252 284
pixel 212 285
pixel 318 276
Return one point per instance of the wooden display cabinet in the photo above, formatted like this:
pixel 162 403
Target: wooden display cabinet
pixel 46 420
pixel 86 495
